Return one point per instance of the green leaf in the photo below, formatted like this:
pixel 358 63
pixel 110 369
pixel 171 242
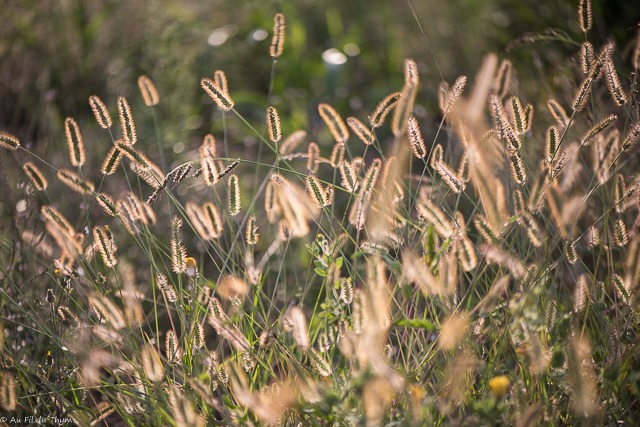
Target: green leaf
pixel 415 323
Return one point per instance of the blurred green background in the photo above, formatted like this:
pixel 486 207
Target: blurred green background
pixel 53 55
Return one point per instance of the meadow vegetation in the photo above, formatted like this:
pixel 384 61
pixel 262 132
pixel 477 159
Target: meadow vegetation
pixel 376 267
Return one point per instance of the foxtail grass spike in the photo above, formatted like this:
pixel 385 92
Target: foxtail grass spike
pixel 214 221
pixel 228 169
pixel 383 109
pixel 222 99
pixel 100 112
pixel 277 42
pixel 36 176
pixel 112 161
pixel 633 136
pixel 403 109
pixel 178 250
pixel 598 128
pixel 73 181
pixel 251 234
pixel 234 195
pixel 75 143
pixel 449 96
pixel 107 204
pixel 363 133
pixel 273 124
pixel 587 55
pixel 9 141
pixel 334 122
pixel 349 177
pixel 337 155
pixel 437 156
pixel 558 113
pixel 621 237
pixel 313 154
pixel 502 80
pixel 518 170
pixel 613 83
pixel 519 115
pixel 292 142
pixel 220 80
pixel 552 144
pixel 148 90
pixel 450 177
pixel 106 245
pixel 585 17
pixel 415 139
pixel 127 124
pixel 411 76
pixel 316 192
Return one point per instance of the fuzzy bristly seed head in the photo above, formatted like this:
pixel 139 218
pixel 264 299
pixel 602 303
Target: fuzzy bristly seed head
pixel 437 156
pixel 552 143
pixel 334 122
pixel 273 124
pixel 178 250
pixel 251 235
pixel 363 133
pixel 558 113
pixel 313 154
pixel 349 177
pixel 383 109
pixel 111 161
pixel 447 96
pixel 518 114
pixel 633 136
pixel 292 142
pixel 337 155
pixel 148 90
pixel 100 112
pixel 415 139
pixel 502 80
pixel 166 288
pixel 598 128
pixel 404 108
pixel 127 124
pixel 234 195
pixel 411 76
pixel 8 392
pixel 75 143
pixel 73 181
pixel 613 83
pixel 232 287
pixel 220 79
pixel 585 16
pixel 587 55
pixel 35 176
pixel 173 351
pixel 450 177
pixel 220 97
pixel 277 42
pixel 106 245
pixel 9 141
pixel 107 204
pixel 228 169
pixel 518 170
pixel 317 193
pixel 295 322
